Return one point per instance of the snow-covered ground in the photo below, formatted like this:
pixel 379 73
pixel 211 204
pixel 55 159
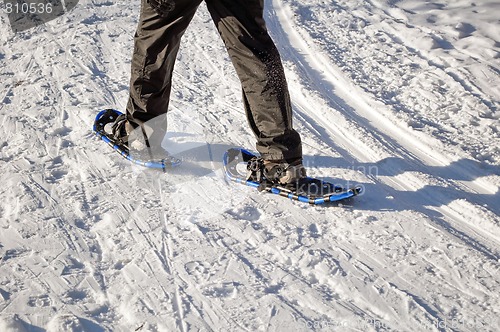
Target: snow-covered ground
pixel 400 96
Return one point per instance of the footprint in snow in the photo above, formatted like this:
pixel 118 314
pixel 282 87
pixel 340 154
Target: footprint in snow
pixel 39 301
pixel 195 268
pixel 248 213
pixel 225 289
pixel 65 322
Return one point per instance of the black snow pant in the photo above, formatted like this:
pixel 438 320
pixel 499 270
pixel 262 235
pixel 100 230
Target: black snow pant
pixel 252 52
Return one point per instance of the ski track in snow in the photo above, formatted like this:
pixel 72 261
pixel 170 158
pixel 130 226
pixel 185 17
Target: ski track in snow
pixel 397 96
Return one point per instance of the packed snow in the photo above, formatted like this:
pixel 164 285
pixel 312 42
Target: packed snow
pixel 398 96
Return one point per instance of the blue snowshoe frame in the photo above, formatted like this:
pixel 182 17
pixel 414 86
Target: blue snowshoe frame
pixel 231 173
pixel 123 150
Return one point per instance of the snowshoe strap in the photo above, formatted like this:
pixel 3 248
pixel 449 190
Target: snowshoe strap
pixel 119 133
pixel 255 172
pixel 276 172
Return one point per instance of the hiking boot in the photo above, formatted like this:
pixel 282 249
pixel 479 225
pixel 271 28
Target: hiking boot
pixel 133 144
pixel 276 171
pixel 284 173
pixel 120 131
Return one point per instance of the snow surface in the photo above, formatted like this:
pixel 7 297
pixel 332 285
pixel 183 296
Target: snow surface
pixel 400 96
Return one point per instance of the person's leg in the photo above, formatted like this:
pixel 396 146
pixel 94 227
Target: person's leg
pixel 156 43
pixel 258 65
